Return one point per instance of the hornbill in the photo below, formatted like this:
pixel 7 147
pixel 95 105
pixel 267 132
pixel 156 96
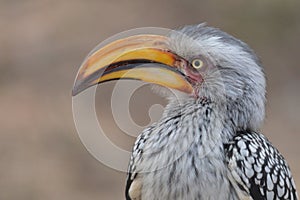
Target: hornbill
pixel 207 143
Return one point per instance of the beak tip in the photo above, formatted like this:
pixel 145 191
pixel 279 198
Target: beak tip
pixel 78 87
pixel 75 91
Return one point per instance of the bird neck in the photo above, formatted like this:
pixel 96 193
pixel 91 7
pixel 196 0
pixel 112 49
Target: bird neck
pixel 188 126
pixel 202 123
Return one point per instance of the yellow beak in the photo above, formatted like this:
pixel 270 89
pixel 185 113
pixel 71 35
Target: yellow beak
pixel 140 57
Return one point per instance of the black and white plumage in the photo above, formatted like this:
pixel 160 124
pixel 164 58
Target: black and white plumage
pixel 258 168
pixel 207 143
pixel 232 161
pixel 248 168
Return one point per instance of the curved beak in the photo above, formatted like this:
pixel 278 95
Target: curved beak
pixel 141 57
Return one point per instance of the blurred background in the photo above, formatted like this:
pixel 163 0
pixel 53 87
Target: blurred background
pixel 42 44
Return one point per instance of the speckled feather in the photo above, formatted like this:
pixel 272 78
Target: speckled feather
pixel 259 168
pixel 208 147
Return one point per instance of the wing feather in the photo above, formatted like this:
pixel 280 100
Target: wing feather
pixel 258 169
pixel 134 179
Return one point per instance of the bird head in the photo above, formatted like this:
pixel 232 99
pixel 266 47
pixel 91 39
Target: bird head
pixel 200 61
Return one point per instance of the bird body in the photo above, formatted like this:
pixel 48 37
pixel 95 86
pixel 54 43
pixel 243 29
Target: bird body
pixel 184 157
pixel 175 162
pixel 207 143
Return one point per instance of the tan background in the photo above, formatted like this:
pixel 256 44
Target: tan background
pixel 42 44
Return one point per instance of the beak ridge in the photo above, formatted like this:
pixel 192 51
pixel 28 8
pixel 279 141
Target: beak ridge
pixel 141 57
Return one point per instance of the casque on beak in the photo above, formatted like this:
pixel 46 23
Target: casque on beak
pixel 141 57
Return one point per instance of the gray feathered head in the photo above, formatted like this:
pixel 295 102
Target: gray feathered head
pixel 201 61
pixel 231 72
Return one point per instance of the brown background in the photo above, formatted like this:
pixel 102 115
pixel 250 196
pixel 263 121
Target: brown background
pixel 42 44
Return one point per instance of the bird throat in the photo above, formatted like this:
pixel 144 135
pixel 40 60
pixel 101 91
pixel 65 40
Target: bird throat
pixel 185 143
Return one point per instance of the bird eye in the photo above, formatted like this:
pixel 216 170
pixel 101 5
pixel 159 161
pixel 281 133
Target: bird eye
pixel 197 63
